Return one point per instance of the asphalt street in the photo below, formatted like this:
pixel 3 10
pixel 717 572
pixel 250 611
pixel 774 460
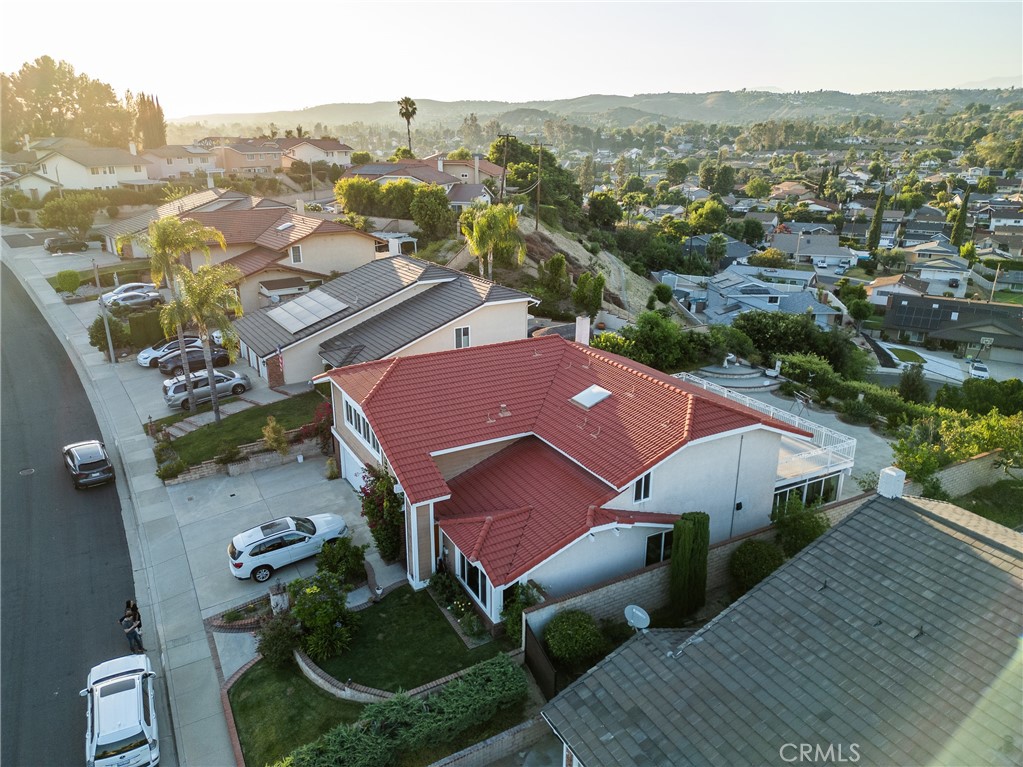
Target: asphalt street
pixel 64 565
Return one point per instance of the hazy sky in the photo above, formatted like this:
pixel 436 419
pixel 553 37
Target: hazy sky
pixel 221 56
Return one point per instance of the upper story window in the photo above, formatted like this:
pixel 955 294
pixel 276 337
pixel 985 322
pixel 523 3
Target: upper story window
pixel 110 169
pixel 94 171
pixel 170 160
pixel 461 338
pixel 296 254
pixel 191 161
pixel 359 426
pixel 641 490
pixel 250 157
pixel 137 168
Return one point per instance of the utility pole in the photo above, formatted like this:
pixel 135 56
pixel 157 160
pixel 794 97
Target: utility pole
pixel 504 170
pixel 539 161
pixel 103 312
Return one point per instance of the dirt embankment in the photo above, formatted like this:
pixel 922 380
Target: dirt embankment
pixel 621 283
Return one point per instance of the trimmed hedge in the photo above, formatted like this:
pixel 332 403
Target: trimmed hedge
pixel 404 724
pixel 144 328
pixel 753 561
pixel 573 637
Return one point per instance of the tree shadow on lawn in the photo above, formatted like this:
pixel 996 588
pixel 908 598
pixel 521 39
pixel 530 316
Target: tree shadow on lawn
pixel 403 642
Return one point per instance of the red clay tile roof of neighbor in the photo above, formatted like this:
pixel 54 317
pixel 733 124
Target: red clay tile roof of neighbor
pixel 259 258
pixel 423 404
pixel 522 505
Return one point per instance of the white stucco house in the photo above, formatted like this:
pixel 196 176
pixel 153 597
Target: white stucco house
pixel 546 460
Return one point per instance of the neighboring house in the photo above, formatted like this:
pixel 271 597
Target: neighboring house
pixel 879 291
pixel 392 307
pixel 927 251
pixel 927 213
pixel 891 639
pixel 972 326
pixel 310 150
pixel 790 189
pixel 1010 243
pixel 793 277
pixel 856 231
pixel 273 244
pixel 735 291
pixel 75 167
pixel 808 248
pixel 918 232
pixel 944 275
pixel 475 171
pixel 734 249
pixel 261 157
pixel 805 228
pixel 206 200
pixel 768 218
pixel 174 161
pixel 33 185
pixel 548 460
pixel 463 196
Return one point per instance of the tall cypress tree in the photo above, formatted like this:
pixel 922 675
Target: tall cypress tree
pixel 874 235
pixel 959 227
pixel 689 546
pixel 823 182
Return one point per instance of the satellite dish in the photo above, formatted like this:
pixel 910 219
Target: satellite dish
pixel 636 617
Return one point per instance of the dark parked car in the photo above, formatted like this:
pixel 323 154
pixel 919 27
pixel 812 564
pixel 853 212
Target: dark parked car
pixel 88 463
pixel 64 244
pixel 170 364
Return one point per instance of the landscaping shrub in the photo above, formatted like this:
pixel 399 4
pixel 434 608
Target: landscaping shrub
pixel 798 525
pixel 857 411
pixel 118 334
pixel 385 512
pixel 931 488
pixel 171 470
pixel 25 216
pixel 445 587
pixel 113 211
pixel 333 472
pixel 274 436
pixel 319 427
pixel 753 561
pixel 163 451
pixel 343 558
pixel 231 455
pixel 523 595
pixel 319 603
pixel 690 543
pixel 573 638
pixel 145 328
pixel 346 745
pixel 277 638
pixel 68 281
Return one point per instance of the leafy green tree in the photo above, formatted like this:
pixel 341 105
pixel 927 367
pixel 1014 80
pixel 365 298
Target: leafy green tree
pixel 73 214
pixel 798 525
pixel 981 396
pixel 799 161
pixel 396 198
pixel 120 334
pixel 724 180
pixel 553 276
pixel 912 386
pixel 969 252
pixel 772 258
pixel 959 227
pixel 320 603
pixel 361 158
pixel 572 636
pixel 822 184
pixel 676 172
pixel 358 195
pixel 274 437
pixel 987 185
pixel 588 295
pixel 492 228
pixel 689 548
pixel 587 174
pixel 860 310
pixel 891 259
pixel 875 169
pixel 407 111
pixel 758 187
pixel 753 561
pixel 401 153
pixel 634 184
pixel 210 299
pixel 68 281
pixel 662 293
pixel 471 131
pixel 604 211
pixel 708 216
pixel 707 174
pixel 384 511
pixel 166 241
pixel 656 341
pixel 717 246
pixel 614 343
pixel 431 211
pixel 631 202
pixel 874 233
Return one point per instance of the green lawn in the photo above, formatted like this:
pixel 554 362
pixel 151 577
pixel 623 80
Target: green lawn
pixel 405 641
pixel 1008 297
pixel 276 711
pixel 1001 502
pixel 906 355
pixel 207 442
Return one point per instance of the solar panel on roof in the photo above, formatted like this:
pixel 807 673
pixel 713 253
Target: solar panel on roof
pixel 305 310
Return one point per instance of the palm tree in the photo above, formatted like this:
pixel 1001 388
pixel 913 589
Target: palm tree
pixel 207 296
pixel 407 112
pixel 167 240
pixel 492 228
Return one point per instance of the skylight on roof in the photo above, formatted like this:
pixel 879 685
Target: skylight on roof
pixel 589 397
pixel 285 225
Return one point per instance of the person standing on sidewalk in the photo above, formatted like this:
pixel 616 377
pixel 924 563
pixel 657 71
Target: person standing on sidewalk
pixel 130 627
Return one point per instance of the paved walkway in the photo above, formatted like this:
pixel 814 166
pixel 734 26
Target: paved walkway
pixel 177 536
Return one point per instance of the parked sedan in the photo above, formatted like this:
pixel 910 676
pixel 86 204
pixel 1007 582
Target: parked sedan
pixel 979 370
pixel 171 365
pixel 64 244
pixel 128 287
pixel 175 391
pixel 150 356
pixel 88 463
pixel 135 299
pixel 256 553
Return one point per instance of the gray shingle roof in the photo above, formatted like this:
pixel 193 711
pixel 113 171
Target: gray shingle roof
pixel 454 294
pixel 827 651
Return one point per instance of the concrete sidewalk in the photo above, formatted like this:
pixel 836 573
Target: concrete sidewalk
pixel 177 536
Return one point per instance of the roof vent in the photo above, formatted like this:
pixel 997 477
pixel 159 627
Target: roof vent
pixel 590 396
pixel 504 412
pixel 286 225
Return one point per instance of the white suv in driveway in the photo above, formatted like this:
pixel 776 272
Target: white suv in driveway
pixel 120 729
pixel 256 553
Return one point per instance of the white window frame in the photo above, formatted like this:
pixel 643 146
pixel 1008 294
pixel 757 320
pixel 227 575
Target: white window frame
pixel 462 339
pixel 296 254
pixel 463 566
pixel 358 425
pixel 641 489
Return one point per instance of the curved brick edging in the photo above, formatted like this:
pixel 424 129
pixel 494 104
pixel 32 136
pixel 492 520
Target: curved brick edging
pixel 225 701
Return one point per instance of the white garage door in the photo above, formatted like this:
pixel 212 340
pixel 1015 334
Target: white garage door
pixel 352 468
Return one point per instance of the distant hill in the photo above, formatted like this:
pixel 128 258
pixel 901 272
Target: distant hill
pixel 727 107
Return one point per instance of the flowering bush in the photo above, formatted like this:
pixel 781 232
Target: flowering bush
pixel 320 605
pixel 384 511
pixel 319 427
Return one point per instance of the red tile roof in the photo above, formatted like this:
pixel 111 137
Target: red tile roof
pixel 260 226
pixel 423 404
pixel 524 504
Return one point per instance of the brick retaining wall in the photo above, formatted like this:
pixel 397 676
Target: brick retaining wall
pixel 259 458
